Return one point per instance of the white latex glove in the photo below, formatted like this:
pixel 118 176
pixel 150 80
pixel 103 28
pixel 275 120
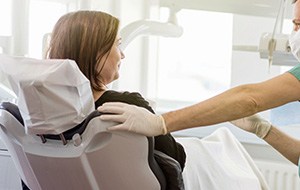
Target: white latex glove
pixel 133 118
pixel 254 124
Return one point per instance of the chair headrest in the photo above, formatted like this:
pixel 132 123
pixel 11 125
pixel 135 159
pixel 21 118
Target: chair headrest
pixel 53 95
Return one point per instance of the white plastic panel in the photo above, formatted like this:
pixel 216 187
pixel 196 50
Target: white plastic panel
pixel 9 178
pixel 265 8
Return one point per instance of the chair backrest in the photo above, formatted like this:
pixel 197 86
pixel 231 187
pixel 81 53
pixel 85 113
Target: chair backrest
pixel 96 159
pixel 55 99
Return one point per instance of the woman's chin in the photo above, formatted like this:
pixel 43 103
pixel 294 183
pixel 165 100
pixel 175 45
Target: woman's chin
pixel 116 77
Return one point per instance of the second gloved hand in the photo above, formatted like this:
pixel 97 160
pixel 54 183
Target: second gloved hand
pixel 133 118
pixel 254 124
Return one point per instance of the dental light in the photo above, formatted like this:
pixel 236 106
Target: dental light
pixel 276 49
pixel 153 28
pixel 275 46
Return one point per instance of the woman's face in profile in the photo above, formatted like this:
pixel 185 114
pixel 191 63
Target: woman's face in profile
pixel 110 71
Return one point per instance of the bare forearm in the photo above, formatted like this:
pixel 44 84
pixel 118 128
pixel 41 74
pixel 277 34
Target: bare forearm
pixel 232 104
pixel 236 103
pixel 285 144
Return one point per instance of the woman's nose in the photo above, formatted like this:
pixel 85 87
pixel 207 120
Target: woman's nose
pixel 122 55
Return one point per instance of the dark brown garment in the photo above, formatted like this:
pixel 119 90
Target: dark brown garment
pixel 163 143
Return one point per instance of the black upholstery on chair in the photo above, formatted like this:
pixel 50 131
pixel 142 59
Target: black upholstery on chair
pixel 77 129
pixel 24 186
pixel 14 110
pixel 154 165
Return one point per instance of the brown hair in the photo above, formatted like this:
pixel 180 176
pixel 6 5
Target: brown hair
pixel 294 1
pixel 85 37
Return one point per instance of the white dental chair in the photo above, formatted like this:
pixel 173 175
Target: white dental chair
pixel 97 159
pixel 85 156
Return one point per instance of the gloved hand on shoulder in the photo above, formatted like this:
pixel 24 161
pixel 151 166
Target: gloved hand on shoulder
pixel 133 118
pixel 254 124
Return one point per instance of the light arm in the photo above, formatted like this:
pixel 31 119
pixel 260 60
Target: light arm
pixel 236 103
pixel 288 146
pixel 149 28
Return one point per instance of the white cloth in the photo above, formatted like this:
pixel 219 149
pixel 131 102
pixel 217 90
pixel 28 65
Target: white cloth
pixel 219 162
pixel 52 95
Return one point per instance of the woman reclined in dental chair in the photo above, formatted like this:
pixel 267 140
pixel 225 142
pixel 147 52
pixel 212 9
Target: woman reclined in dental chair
pixel 90 38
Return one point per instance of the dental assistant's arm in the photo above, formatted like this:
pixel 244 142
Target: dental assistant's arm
pixel 288 146
pixel 236 103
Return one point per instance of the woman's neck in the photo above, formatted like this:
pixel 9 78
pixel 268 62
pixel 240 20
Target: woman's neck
pixel 97 94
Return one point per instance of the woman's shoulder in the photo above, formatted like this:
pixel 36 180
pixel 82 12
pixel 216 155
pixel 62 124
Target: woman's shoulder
pixel 125 96
pixel 122 94
pixel 133 98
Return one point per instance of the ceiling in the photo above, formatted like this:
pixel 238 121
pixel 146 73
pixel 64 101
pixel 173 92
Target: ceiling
pixel 265 8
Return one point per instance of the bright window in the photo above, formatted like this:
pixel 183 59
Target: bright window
pixel 42 18
pixel 5 18
pixel 197 65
